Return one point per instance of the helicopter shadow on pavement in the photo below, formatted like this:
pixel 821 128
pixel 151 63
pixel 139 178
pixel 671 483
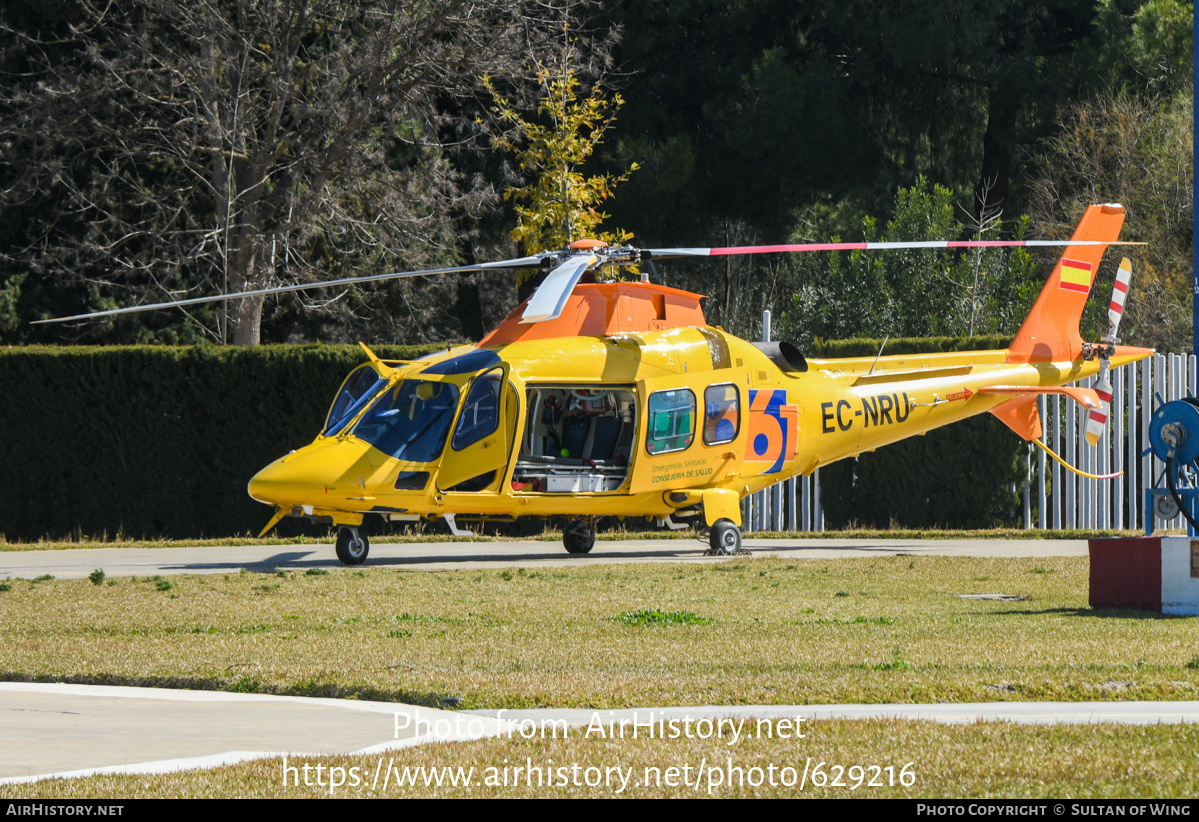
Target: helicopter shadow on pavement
pixel 443 555
pixel 267 565
pixel 550 557
pixel 389 556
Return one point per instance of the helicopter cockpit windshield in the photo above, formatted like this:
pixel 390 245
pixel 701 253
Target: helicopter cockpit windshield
pixel 357 390
pixel 410 420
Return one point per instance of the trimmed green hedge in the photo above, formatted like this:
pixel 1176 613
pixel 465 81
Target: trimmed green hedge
pixel 966 475
pixel 160 442
pixel 864 347
pixel 155 441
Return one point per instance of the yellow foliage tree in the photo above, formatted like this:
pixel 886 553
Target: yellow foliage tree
pixel 562 204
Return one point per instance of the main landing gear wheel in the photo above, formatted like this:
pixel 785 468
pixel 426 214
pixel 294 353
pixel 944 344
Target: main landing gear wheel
pixel 352 547
pixel 725 537
pixel 578 536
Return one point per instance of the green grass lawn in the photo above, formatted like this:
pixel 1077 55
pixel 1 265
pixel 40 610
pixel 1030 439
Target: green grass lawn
pixel 745 631
pixel 924 760
pixel 750 631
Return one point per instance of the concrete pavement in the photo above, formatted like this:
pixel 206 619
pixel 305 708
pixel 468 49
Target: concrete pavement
pixel 430 556
pixel 57 730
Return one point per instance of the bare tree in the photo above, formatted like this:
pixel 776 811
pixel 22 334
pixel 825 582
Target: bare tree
pixel 973 294
pixel 1136 150
pixel 235 144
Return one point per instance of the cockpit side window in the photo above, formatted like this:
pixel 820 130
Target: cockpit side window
pixel 481 411
pixel 354 394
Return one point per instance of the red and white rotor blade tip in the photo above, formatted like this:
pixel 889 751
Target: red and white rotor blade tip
pixel 795 248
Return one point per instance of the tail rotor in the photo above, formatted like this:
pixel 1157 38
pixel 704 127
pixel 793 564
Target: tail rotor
pixel 1097 419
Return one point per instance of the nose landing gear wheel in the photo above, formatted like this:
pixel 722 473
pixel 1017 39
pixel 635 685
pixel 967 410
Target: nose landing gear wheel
pixel 725 537
pixel 578 536
pixel 352 547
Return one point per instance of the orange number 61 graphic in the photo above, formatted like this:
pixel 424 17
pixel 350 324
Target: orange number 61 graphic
pixel 773 429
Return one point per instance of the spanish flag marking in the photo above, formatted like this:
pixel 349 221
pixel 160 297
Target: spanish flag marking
pixel 1076 276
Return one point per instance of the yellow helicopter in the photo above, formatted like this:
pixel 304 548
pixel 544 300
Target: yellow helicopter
pixel 618 399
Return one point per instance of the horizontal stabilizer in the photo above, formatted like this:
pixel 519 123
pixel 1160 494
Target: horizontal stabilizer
pixel 1086 397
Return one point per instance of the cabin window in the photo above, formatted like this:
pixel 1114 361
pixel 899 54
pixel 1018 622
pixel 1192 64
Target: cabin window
pixel 722 414
pixel 481 412
pixel 671 421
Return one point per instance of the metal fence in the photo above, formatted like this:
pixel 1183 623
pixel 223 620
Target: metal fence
pixel 1053 496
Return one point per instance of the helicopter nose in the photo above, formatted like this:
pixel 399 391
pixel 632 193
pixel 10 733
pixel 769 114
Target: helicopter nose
pixel 310 476
pixel 282 483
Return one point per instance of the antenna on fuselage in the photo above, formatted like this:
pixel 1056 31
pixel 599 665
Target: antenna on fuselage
pixel 879 354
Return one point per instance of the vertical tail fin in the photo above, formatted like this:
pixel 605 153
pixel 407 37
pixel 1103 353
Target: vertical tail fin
pixel 1050 332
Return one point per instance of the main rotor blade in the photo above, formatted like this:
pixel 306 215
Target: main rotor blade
pixel 549 299
pixel 521 262
pixel 803 247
